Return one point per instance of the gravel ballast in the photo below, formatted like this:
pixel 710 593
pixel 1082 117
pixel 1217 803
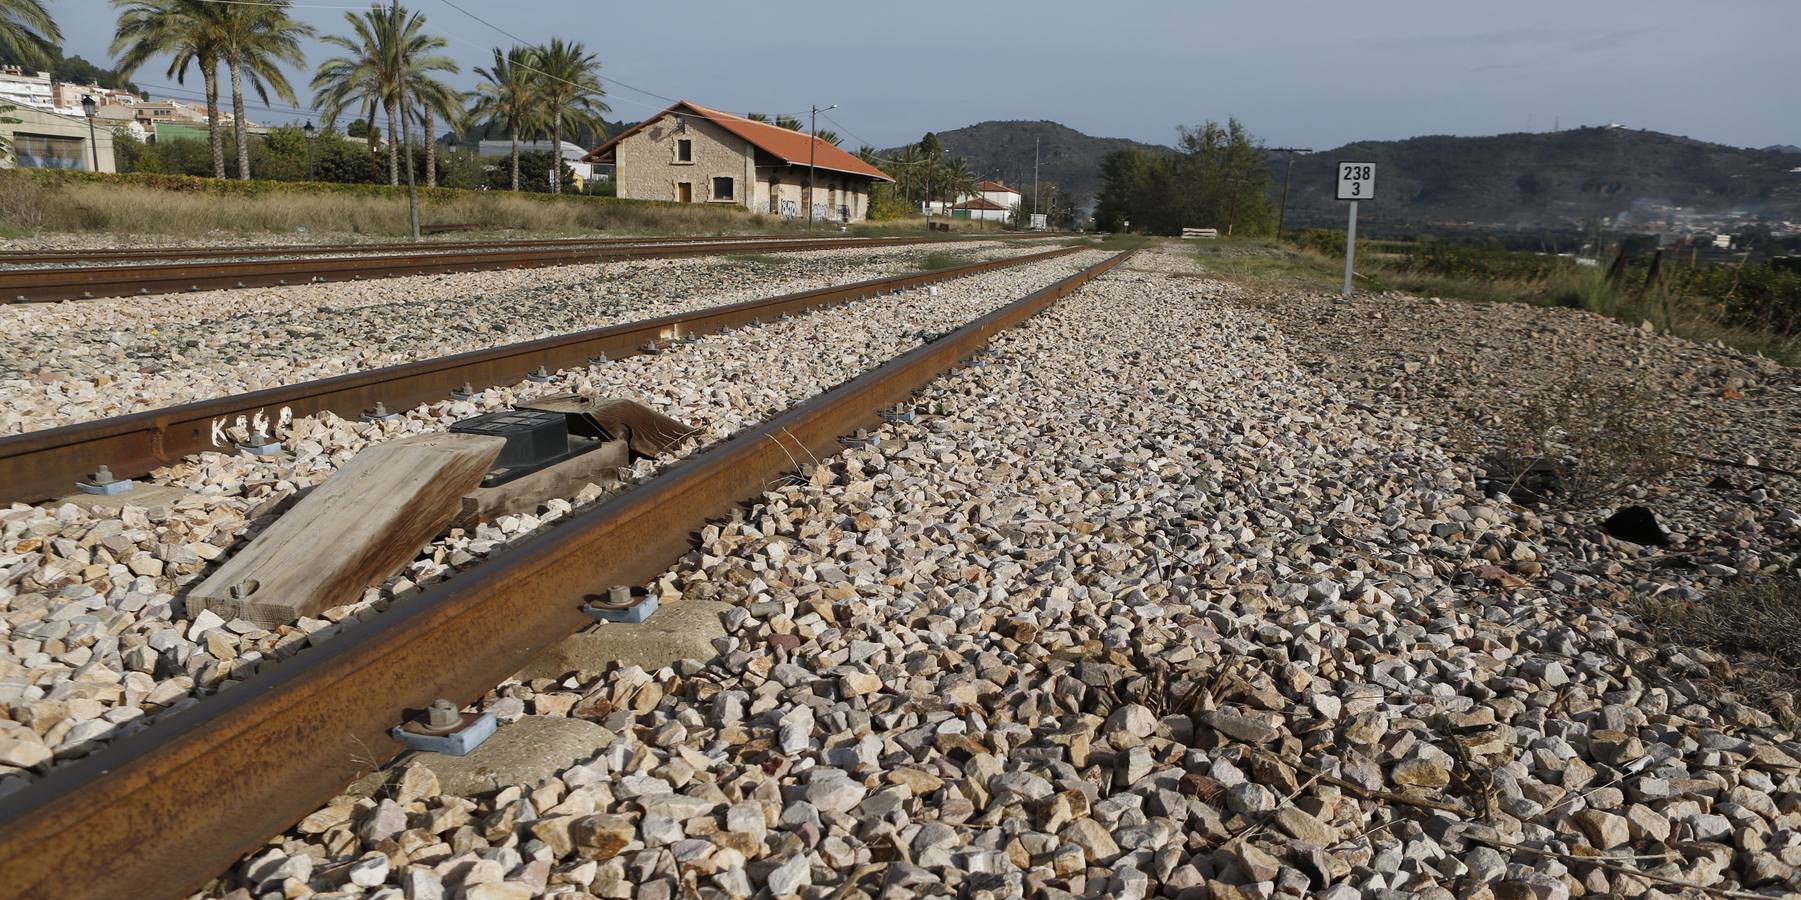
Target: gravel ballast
pixel 82 360
pixel 96 633
pixel 1143 604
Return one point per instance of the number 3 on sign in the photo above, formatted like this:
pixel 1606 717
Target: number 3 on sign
pixel 1356 180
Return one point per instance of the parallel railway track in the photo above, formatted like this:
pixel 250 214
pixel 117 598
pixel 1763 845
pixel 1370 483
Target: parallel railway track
pixel 39 285
pixel 130 254
pixel 164 811
pixel 38 465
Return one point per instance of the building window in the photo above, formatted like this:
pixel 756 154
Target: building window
pixel 43 151
pixel 684 150
pixel 722 188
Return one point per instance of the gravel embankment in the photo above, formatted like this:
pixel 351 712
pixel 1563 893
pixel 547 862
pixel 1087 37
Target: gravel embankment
pixel 96 635
pixel 77 361
pixel 1141 605
pixel 1466 371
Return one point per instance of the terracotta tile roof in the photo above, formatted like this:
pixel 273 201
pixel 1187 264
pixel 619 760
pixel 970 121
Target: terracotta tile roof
pixel 979 203
pixel 791 147
pixel 991 187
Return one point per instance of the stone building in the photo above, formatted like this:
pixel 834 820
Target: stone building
pixel 691 154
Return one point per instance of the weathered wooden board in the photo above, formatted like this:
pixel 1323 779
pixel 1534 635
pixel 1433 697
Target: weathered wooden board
pixel 359 527
pixel 527 492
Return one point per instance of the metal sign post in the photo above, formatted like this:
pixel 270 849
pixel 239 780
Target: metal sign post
pixel 1356 181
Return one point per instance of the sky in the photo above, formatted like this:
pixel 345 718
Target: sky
pixel 1302 73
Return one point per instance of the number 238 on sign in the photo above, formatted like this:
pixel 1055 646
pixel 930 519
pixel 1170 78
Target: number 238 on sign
pixel 1356 180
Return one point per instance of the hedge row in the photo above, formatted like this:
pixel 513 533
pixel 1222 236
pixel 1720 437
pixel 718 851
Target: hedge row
pixel 191 184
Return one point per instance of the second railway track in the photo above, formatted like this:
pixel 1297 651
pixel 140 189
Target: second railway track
pixel 171 254
pixel 40 285
pixel 42 464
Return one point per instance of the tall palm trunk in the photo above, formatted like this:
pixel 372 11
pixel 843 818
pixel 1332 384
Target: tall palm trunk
pixel 431 150
pixel 393 145
pixel 237 118
pixel 556 151
pixel 369 138
pixel 209 72
pixel 514 134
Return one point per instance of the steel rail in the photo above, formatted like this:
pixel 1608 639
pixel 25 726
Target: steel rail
pixel 163 811
pixel 39 465
pixel 44 257
pixel 87 282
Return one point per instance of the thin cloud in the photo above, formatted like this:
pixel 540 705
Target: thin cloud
pixel 1612 39
pixel 1463 40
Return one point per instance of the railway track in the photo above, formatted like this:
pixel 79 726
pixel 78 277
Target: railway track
pixel 86 257
pixel 40 285
pixel 164 811
pixel 39 465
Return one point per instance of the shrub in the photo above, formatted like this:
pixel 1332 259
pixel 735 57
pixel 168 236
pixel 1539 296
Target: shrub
pixel 1598 436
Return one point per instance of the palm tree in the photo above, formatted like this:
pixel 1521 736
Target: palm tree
pixel 385 42
pixel 957 179
pixel 252 40
pixel 188 30
pixel 792 123
pixel 829 136
pixel 569 82
pixel 757 117
pixel 434 98
pixel 508 98
pixel 27 33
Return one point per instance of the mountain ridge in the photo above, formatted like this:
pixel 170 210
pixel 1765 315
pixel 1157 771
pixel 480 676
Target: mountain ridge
pixel 1524 179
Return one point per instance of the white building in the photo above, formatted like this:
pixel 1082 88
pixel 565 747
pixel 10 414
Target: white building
pixel 998 194
pixel 571 153
pixel 992 201
pixel 26 89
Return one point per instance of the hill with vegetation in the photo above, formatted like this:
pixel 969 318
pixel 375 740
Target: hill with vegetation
pixel 1002 151
pixel 1524 180
pixel 1536 180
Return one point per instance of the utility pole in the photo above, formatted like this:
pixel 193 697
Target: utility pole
pixel 812 153
pixel 1282 211
pixel 412 188
pixel 1034 178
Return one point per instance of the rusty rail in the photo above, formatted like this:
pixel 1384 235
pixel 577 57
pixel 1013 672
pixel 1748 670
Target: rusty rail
pixel 87 282
pixel 38 465
pixel 164 811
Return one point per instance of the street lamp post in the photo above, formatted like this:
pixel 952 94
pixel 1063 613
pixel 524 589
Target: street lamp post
pixel 88 106
pixel 812 146
pixel 309 130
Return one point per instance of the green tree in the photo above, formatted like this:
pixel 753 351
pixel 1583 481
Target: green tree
pixel 956 179
pixel 508 99
pixel 190 32
pixel 792 123
pixel 1218 179
pixel 28 35
pixel 434 98
pixel 386 46
pixel 253 41
pixel 569 82
pixel 829 136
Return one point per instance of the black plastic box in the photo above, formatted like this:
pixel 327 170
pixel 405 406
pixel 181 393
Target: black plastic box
pixel 534 437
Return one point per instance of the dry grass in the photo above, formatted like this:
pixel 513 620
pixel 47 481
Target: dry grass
pixel 1599 436
pixel 127 209
pixel 1751 632
pixel 23 206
